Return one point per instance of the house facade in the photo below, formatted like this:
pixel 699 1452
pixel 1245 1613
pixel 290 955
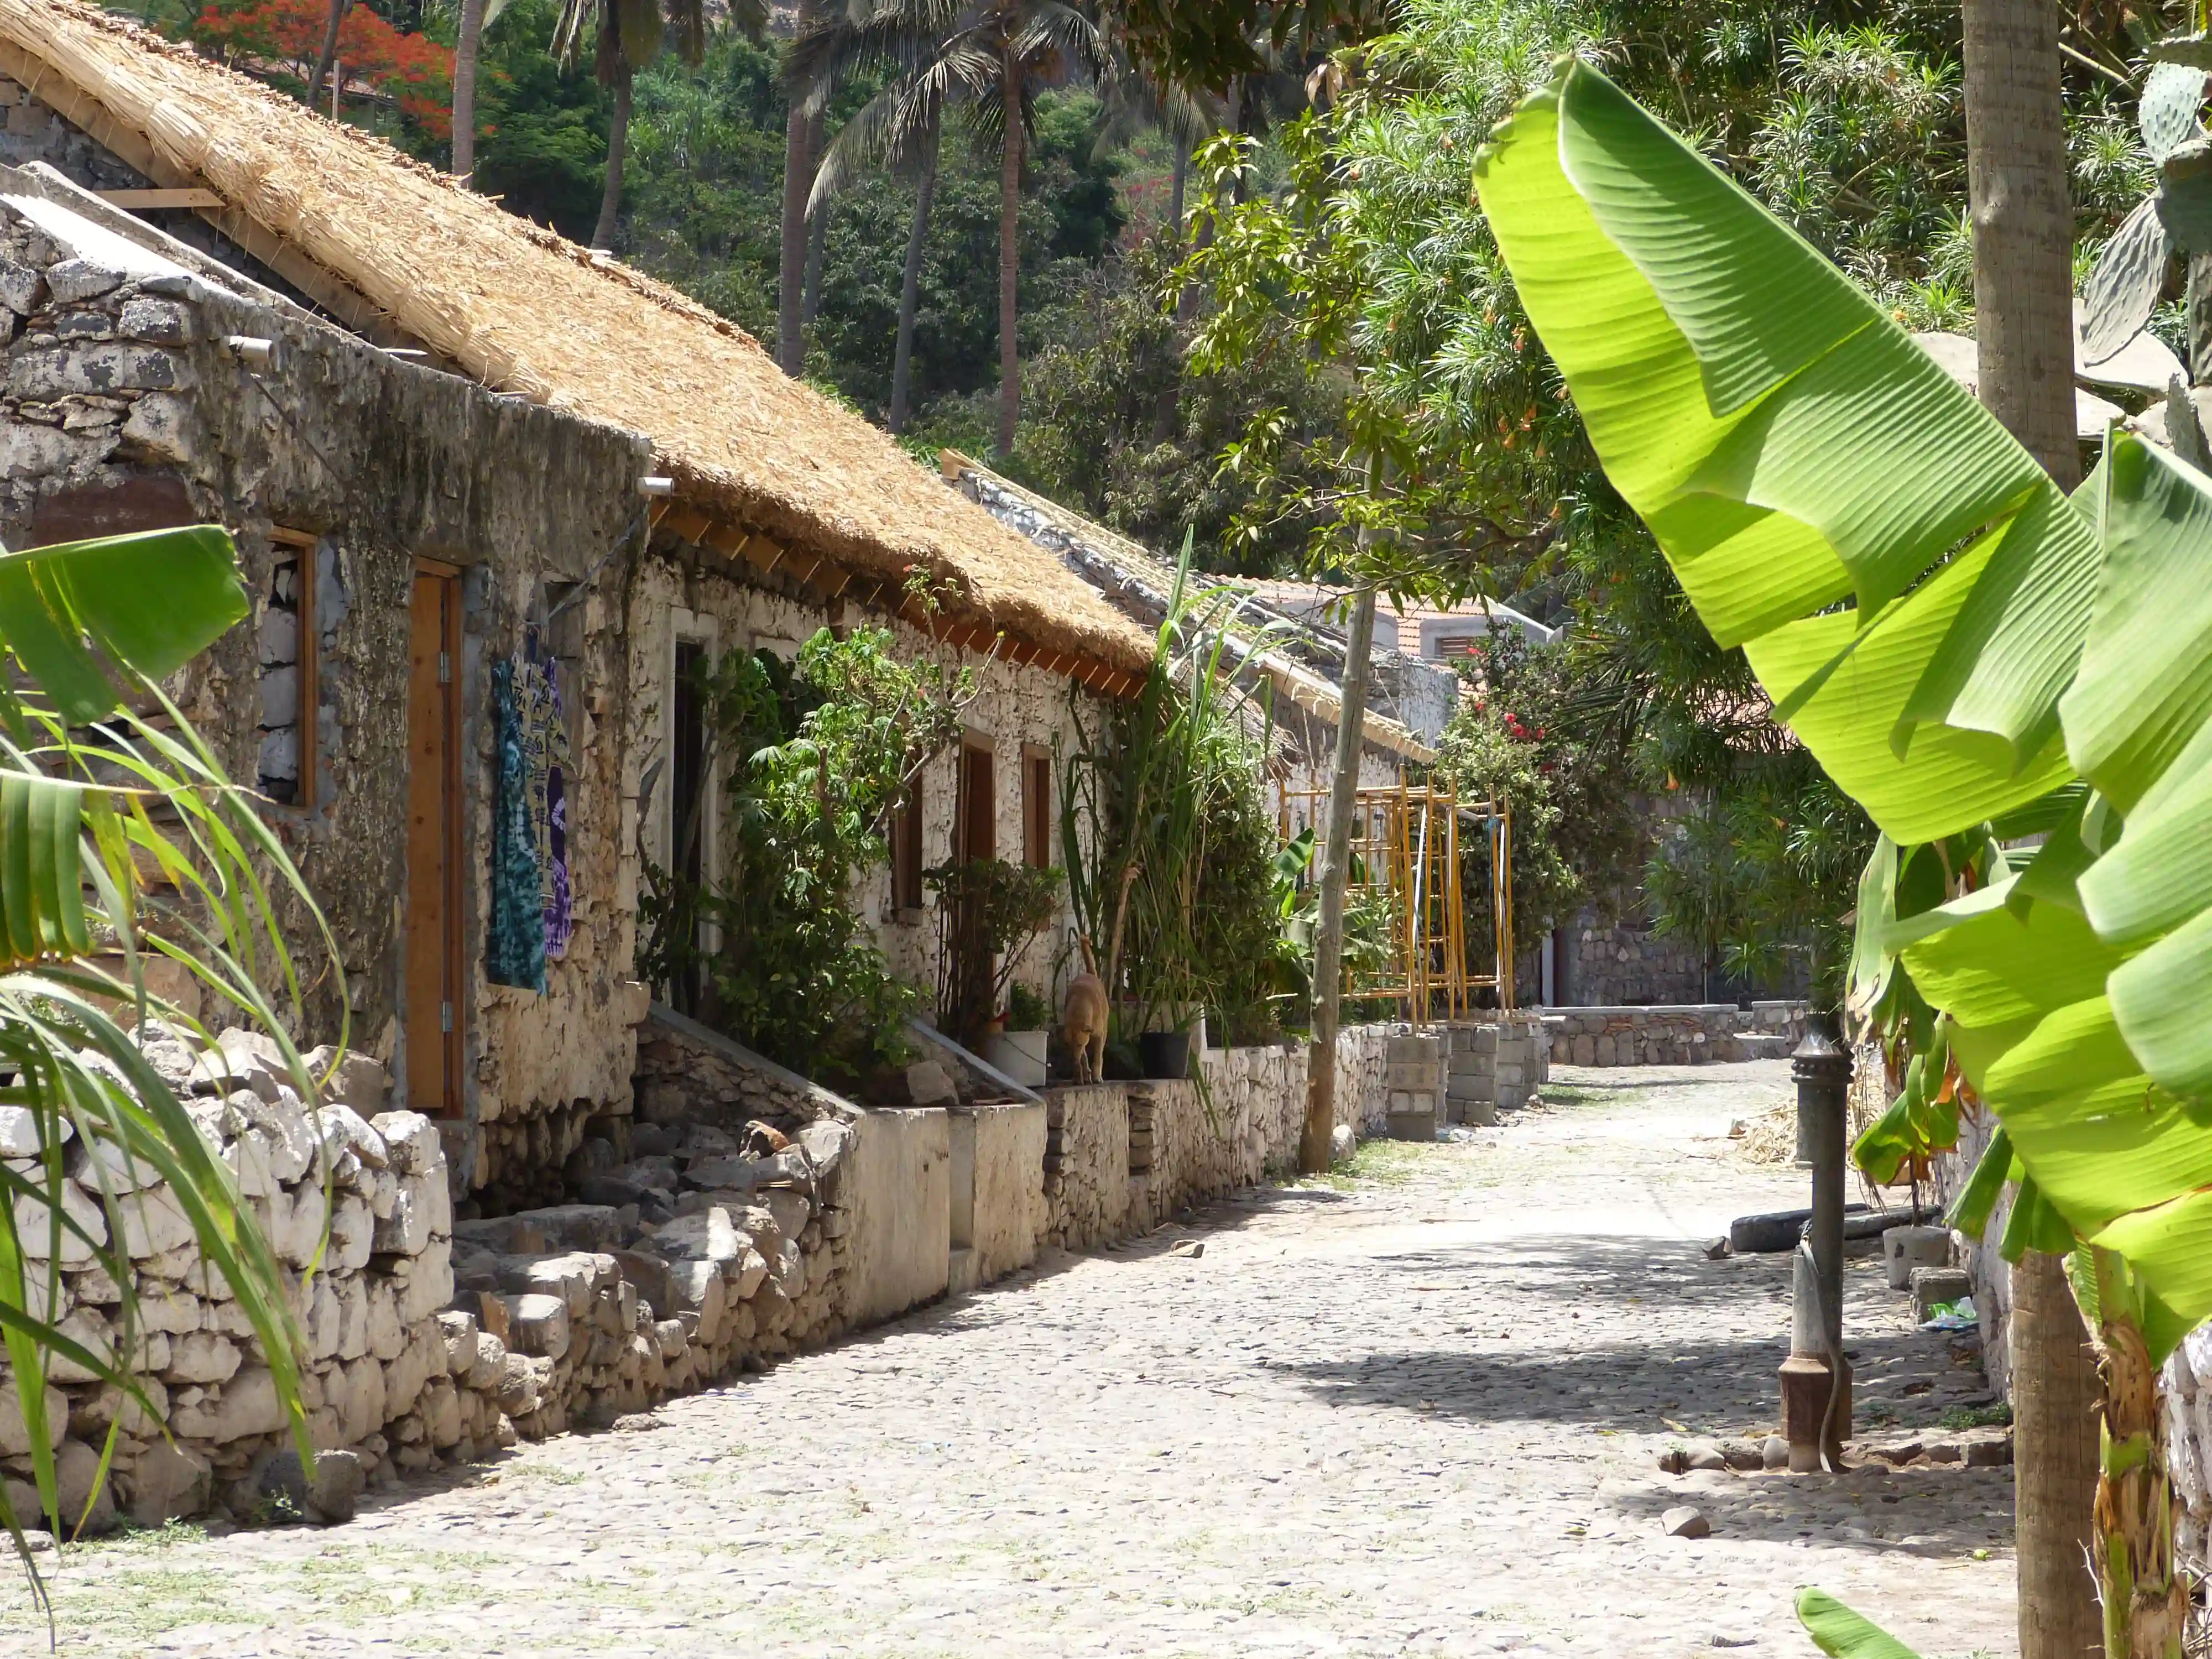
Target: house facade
pixel 461 458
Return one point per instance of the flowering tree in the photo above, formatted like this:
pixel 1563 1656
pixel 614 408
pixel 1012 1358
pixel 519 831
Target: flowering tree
pixel 286 36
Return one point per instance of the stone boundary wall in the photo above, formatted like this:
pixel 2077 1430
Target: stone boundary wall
pixel 1673 1034
pixel 1121 1157
pixel 382 1375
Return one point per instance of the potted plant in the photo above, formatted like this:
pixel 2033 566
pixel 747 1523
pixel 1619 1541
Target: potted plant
pixel 993 913
pixel 1021 1047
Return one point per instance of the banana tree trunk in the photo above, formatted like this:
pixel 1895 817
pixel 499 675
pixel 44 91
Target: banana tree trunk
pixel 617 144
pixel 2145 1597
pixel 1010 202
pixel 466 55
pixel 925 190
pixel 1336 864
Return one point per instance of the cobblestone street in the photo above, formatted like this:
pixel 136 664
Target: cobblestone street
pixel 1417 1411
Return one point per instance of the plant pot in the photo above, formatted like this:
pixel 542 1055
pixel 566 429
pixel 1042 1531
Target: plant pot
pixel 1020 1055
pixel 1165 1054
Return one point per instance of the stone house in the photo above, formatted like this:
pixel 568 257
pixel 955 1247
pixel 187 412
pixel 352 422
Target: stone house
pixel 455 441
pixel 462 458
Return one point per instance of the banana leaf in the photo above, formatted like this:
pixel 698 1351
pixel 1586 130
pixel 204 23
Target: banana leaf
pixel 1792 448
pixel 1843 1634
pixel 1956 642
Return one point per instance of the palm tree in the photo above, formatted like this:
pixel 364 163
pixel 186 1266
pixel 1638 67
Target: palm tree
pixel 988 57
pixel 628 34
pixel 2017 177
pixel 903 123
pixel 1033 44
pixel 802 148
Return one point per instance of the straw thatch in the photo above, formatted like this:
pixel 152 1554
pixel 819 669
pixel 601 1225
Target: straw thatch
pixel 532 314
pixel 1144 572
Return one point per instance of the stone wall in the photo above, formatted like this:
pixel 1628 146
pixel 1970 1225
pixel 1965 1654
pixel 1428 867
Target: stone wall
pixel 1120 1157
pixel 427 1339
pixel 1684 1034
pixel 120 389
pixel 353 1201
pixel 2188 1399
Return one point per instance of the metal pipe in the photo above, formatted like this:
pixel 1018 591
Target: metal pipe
pixel 1816 1378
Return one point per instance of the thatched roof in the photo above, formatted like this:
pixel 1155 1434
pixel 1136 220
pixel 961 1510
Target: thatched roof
pixel 393 246
pixel 1137 573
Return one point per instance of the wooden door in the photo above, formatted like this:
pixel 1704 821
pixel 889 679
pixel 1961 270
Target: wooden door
pixel 975 836
pixel 979 803
pixel 435 1002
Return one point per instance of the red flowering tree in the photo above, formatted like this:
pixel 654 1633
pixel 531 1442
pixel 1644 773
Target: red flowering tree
pixel 280 39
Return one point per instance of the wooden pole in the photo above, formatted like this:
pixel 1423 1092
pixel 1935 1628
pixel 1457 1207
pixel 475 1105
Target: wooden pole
pixel 1329 938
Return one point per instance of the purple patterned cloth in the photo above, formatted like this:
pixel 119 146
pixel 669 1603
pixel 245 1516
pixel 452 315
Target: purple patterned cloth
pixel 546 754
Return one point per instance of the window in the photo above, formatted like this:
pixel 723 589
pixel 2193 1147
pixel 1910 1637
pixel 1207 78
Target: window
pixel 1037 809
pixel 289 633
pixel 976 828
pixel 906 850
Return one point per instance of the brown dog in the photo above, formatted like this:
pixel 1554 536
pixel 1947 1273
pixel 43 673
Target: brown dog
pixel 1082 1019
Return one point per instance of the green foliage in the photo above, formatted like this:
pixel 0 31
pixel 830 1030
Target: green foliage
pixel 816 759
pixel 542 142
pixel 1171 863
pixel 993 911
pixel 1842 1634
pixel 96 794
pixel 1027 1009
pixel 1115 422
pixel 1513 739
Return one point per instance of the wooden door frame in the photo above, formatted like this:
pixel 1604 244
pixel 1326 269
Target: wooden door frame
pixel 455 955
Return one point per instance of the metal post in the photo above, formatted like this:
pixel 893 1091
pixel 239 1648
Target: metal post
pixel 1821 1067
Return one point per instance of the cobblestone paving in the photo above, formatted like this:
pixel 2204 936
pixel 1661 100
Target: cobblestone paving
pixel 1419 1411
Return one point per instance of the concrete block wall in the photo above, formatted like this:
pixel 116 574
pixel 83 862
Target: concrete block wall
pixel 1498 1064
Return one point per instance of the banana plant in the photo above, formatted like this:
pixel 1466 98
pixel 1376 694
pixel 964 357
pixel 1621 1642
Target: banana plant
pixel 122 842
pixel 1978 661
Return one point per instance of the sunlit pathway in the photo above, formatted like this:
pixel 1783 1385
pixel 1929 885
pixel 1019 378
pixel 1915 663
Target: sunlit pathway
pixel 1420 1415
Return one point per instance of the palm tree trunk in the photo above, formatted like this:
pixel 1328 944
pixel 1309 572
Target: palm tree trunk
pixel 338 9
pixel 2017 180
pixel 818 244
pixel 618 143
pixel 2023 279
pixel 464 89
pixel 1164 408
pixel 1010 202
pixel 798 133
pixel 1335 867
pixel 2054 1404
pixel 925 190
